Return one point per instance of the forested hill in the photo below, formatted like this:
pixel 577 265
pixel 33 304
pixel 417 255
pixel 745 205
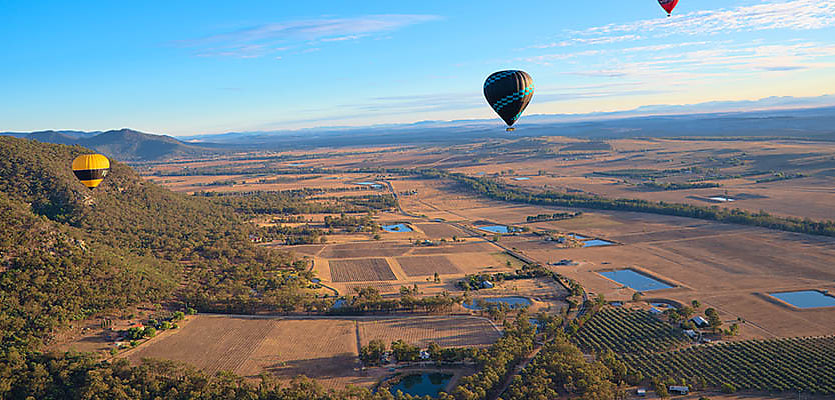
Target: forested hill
pixel 125 144
pixel 68 252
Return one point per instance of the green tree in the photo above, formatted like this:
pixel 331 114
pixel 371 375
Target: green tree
pixel 713 319
pixel 372 353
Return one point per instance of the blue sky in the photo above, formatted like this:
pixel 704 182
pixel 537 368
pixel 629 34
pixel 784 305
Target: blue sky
pixel 194 67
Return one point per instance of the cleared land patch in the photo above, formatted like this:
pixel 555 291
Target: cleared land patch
pixel 321 349
pixel 360 270
pixel 445 331
pixel 210 343
pixel 355 250
pixel 438 230
pixel 427 265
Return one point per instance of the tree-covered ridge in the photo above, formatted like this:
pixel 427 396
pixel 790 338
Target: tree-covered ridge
pixel 69 252
pixel 52 274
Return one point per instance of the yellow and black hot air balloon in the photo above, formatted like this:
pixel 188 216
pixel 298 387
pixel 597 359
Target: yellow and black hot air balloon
pixel 91 169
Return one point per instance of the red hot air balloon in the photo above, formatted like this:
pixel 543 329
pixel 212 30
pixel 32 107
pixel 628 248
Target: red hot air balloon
pixel 668 5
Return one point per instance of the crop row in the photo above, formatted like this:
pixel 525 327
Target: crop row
pixel 782 365
pixel 627 331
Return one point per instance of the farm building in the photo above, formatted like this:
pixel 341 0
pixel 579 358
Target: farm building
pixel 487 285
pixel 424 355
pixel 655 311
pixel 682 390
pixel 691 333
pixel 641 392
pixel 699 321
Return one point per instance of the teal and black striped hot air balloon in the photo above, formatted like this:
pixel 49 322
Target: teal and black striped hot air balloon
pixel 509 93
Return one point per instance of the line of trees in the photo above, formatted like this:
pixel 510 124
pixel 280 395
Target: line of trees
pixel 499 191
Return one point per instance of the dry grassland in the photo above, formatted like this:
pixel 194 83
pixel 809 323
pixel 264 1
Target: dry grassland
pixel 439 230
pixel 428 265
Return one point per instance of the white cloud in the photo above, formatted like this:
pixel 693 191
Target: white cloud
pixel 264 39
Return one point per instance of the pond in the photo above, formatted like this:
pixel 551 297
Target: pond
pixel 497 229
pixel 397 228
pixel 426 384
pixel 521 179
pixel 578 237
pixel 596 242
pixel 722 199
pixel 296 165
pixel 339 303
pixel 373 185
pixel 512 301
pixel 806 298
pixel 635 280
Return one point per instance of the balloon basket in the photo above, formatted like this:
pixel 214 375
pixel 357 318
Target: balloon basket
pixel 510 129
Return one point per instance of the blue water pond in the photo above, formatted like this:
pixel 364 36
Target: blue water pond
pixel 806 298
pixel 397 228
pixel 512 301
pixel 596 242
pixel 497 229
pixel 635 280
pixel 427 384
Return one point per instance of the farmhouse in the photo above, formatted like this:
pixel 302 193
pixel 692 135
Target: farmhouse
pixel 691 333
pixel 699 321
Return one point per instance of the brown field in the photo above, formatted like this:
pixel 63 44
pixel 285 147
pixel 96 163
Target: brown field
pixel 323 349
pixel 438 230
pixel 210 343
pixel 360 270
pixel 444 331
pixel 372 249
pixel 427 265
pixel 728 267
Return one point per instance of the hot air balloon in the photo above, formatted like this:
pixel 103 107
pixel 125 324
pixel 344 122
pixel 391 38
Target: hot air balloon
pixel 668 5
pixel 509 93
pixel 91 169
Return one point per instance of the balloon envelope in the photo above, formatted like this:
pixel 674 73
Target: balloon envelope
pixel 509 93
pixel 91 169
pixel 668 5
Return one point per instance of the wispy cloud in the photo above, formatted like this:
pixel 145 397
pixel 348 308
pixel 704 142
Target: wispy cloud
pixel 792 14
pixel 267 39
pixel 789 14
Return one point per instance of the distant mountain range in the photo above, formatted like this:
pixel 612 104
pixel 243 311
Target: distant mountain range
pixel 122 144
pixel 787 117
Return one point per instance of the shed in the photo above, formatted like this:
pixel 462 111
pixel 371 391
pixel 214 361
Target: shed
pixel 424 355
pixel 641 392
pixel 486 285
pixel 691 333
pixel 679 390
pixel 655 311
pixel 699 321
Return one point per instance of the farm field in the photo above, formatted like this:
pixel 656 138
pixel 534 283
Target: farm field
pixel 357 270
pixel 728 267
pixel 444 331
pixel 426 265
pixel 323 349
